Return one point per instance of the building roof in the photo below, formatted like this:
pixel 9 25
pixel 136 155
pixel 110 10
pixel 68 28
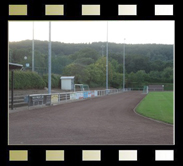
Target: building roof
pixel 13 66
pixel 67 77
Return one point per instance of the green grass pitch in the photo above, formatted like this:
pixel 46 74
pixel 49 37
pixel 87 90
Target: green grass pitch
pixel 157 105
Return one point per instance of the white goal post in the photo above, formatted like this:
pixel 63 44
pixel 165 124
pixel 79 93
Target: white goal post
pixel 82 87
pixel 145 90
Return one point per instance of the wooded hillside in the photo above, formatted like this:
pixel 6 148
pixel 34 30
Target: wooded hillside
pixel 145 63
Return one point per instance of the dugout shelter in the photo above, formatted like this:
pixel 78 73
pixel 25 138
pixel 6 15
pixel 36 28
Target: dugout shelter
pixel 67 82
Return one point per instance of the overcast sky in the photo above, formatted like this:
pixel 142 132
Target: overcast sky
pixel 135 32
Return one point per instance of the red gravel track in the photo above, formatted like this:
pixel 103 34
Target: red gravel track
pixel 108 120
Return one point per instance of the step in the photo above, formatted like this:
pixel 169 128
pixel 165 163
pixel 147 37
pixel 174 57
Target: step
pixel 19 104
pixel 16 100
pixel 17 97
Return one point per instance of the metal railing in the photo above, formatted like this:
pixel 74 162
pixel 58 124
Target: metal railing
pixel 137 89
pixel 56 98
pixel 101 92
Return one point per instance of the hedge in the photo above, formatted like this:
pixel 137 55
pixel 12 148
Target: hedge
pixel 55 80
pixel 26 80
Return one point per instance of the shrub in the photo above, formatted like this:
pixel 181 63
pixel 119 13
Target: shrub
pixel 26 80
pixel 55 80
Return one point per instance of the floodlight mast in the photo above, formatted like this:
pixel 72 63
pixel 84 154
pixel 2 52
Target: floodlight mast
pixel 107 61
pixel 49 60
pixel 33 46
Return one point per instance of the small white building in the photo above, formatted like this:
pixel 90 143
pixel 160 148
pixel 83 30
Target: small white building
pixel 67 82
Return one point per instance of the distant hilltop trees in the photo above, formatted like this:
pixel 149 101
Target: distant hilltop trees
pixel 145 63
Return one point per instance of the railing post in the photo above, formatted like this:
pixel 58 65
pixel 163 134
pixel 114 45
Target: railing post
pixel 42 100
pixel 66 96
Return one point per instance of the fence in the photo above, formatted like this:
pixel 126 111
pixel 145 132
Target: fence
pixel 137 89
pixel 156 87
pixel 41 99
pixel 18 101
pixel 56 98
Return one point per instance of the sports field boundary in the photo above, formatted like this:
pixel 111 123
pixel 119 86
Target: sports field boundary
pixel 134 110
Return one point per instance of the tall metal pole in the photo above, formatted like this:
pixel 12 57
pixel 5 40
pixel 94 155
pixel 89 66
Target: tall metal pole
pixel 10 55
pixel 124 65
pixel 107 61
pixel 33 46
pixel 49 60
pixel 12 88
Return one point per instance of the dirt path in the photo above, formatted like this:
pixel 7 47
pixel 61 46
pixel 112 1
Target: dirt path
pixel 108 120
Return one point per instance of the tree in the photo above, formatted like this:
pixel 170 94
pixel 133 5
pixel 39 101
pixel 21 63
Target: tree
pixel 167 74
pixel 117 80
pixel 87 53
pixel 101 64
pixel 95 74
pixel 120 68
pixel 157 65
pixel 19 54
pixel 140 77
pixel 58 64
pixel 155 76
pixel 153 51
pixel 137 62
pixel 137 80
pixel 84 61
pixel 77 70
pixel 115 64
pixel 131 80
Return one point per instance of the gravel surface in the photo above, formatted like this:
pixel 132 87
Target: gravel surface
pixel 108 120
